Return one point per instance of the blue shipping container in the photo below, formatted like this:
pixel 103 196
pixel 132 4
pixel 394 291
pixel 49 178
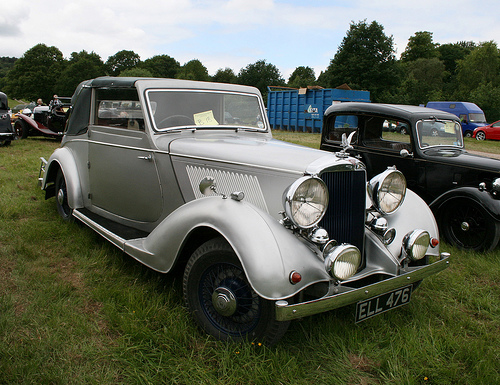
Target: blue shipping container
pixel 302 110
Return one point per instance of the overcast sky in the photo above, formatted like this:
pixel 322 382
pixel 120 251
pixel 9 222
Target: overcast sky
pixel 235 33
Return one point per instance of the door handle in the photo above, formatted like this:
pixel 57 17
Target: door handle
pixel 149 158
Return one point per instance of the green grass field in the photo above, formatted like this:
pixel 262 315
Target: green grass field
pixel 74 309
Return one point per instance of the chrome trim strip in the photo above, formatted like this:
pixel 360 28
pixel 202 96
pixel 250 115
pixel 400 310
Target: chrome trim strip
pixel 285 312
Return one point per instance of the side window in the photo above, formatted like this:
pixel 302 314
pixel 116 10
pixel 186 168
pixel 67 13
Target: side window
pixel 387 134
pixel 119 108
pixel 342 124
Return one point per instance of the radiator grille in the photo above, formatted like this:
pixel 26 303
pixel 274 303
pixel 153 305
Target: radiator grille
pixel 345 217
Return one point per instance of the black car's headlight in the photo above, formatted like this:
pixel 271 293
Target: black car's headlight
pixel 306 201
pixel 387 190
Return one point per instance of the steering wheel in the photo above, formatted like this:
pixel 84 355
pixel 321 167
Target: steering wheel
pixel 176 120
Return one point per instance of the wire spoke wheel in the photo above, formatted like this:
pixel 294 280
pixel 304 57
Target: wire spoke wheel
pixel 467 225
pixel 221 299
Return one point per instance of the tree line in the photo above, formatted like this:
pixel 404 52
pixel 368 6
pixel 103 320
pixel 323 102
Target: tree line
pixel 365 60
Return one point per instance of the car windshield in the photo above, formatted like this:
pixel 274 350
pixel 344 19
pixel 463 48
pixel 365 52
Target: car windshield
pixel 174 109
pixel 439 133
pixel 477 118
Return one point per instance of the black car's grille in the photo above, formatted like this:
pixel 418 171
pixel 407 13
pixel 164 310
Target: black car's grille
pixel 345 217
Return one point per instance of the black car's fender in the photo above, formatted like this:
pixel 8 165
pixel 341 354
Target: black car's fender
pixel 483 198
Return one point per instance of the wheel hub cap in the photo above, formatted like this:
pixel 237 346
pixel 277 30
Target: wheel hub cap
pixel 224 301
pixel 60 196
pixel 465 226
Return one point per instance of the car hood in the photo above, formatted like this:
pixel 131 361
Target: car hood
pixel 254 151
pixel 464 159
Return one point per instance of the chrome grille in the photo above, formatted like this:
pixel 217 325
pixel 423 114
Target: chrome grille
pixel 345 217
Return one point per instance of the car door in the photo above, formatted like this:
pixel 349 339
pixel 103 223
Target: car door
pixel 123 175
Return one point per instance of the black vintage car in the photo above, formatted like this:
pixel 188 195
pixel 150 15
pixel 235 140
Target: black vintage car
pixel 43 120
pixel 462 189
pixel 6 133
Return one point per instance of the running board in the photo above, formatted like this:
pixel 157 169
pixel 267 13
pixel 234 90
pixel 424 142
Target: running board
pixel 131 246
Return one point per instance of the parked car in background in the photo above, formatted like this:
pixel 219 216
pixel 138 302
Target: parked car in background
pixel 462 189
pixel 470 115
pixel 6 133
pixel 490 132
pixel 267 231
pixel 43 120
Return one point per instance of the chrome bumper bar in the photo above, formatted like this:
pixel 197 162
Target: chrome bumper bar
pixel 41 173
pixel 286 312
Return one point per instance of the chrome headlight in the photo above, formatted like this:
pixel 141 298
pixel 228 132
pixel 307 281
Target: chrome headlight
pixel 387 190
pixel 496 185
pixel 342 261
pixel 416 243
pixel 306 201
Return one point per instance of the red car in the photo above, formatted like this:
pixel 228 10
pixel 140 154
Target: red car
pixel 43 120
pixel 491 131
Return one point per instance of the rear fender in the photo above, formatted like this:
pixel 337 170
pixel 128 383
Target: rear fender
pixel 267 251
pixel 62 159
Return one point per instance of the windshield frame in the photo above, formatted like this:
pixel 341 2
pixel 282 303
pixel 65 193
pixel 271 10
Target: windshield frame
pixel 423 145
pixel 238 126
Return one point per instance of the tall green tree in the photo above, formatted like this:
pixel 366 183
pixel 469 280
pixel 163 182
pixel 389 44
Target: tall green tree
pixel 193 70
pixel 225 75
pixel 478 76
pixel 161 66
pixel 302 77
pixel 81 66
pixel 121 61
pixel 480 67
pixel 261 75
pixel 365 60
pixel 423 81
pixel 420 46
pixel 36 73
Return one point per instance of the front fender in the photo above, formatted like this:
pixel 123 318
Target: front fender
pixel 28 120
pixel 62 159
pixel 413 214
pixel 483 198
pixel 267 251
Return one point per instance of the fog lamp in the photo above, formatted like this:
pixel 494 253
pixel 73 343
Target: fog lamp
pixel 342 262
pixel 416 243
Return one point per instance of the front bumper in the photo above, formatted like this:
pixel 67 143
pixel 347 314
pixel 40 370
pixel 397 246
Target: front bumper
pixel 286 312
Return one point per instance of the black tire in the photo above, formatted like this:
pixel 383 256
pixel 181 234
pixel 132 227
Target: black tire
pixel 468 134
pixel 21 129
pixel 63 208
pixel 467 225
pixel 480 135
pixel 217 293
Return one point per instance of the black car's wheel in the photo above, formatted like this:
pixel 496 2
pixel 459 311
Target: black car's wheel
pixel 404 131
pixel 466 224
pixel 222 301
pixel 63 208
pixel 480 135
pixel 21 129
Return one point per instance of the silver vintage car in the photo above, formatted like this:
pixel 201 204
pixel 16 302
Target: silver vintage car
pixel 181 172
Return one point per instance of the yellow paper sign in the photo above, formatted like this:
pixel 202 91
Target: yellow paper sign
pixel 205 119
pixel 449 128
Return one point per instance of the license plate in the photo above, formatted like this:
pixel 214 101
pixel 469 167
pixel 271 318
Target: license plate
pixel 382 303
